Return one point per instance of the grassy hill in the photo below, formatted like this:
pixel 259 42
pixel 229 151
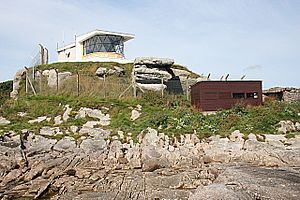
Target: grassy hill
pixel 173 116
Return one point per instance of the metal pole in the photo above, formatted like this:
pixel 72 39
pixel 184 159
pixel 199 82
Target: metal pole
pixel 40 82
pixel 26 81
pixel 78 85
pixel 104 85
pixel 47 56
pixel 187 88
pixel 134 85
pixel 162 88
pixel 56 80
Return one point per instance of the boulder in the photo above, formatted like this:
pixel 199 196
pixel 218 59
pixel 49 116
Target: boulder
pixel 134 115
pixel 93 145
pixel 66 144
pixel 16 83
pixel 52 77
pixel 101 71
pixel 38 120
pixel 67 112
pixel 4 121
pixel 94 113
pixel 153 61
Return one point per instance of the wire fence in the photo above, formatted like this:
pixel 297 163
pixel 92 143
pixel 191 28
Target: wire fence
pixel 55 83
pixel 52 82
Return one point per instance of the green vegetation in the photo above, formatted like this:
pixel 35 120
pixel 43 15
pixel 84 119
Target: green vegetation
pixel 5 89
pixel 172 115
pixel 87 68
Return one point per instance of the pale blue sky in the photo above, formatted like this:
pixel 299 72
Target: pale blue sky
pixel 258 37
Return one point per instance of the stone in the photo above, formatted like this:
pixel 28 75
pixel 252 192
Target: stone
pixel 67 112
pixel 4 121
pixel 50 131
pixel 153 61
pixel 150 137
pixel 251 136
pixel 286 127
pixel 101 71
pixel 74 129
pixel 91 124
pixel 104 119
pixel 139 107
pixel 66 144
pixel 52 78
pixel 121 135
pixel 16 83
pixel 21 114
pixel 57 120
pixel 297 126
pixel 38 120
pixel 96 133
pixel 236 136
pixel 134 115
pixel 93 145
pixel 152 87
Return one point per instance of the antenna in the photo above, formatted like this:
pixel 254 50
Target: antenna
pixel 208 76
pixel 226 77
pixel 221 78
pixel 242 78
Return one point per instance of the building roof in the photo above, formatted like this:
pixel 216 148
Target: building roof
pixel 228 81
pixel 83 37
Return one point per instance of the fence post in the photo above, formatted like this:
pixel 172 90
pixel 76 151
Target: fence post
pixel 78 84
pixel 56 80
pixel 41 76
pixel 104 85
pixel 47 56
pixel 187 88
pixel 162 88
pixel 134 85
pixel 26 81
pixel 42 54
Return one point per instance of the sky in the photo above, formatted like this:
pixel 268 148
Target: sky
pixel 259 38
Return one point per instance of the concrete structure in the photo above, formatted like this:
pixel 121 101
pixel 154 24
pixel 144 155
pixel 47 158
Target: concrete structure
pixel 218 95
pixel 97 45
pixel 288 94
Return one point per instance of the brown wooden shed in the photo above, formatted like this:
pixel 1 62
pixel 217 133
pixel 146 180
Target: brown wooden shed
pixel 218 95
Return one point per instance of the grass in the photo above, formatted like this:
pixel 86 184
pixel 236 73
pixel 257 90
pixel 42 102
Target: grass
pixel 5 89
pixel 172 115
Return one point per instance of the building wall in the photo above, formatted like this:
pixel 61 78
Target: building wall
pixel 217 95
pixel 67 55
pixel 103 55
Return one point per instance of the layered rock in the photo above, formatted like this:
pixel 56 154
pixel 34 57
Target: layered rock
pixel 157 74
pixel 156 166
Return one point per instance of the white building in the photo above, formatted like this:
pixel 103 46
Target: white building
pixel 97 45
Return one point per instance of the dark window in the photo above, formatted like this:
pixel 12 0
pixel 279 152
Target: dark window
pixel 104 43
pixel 238 95
pixel 252 95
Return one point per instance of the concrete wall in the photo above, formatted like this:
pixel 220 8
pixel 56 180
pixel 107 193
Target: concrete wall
pixel 67 54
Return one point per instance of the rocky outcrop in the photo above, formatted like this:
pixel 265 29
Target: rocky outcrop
pixel 288 94
pixel 102 71
pixel 96 166
pixel 157 74
pixel 16 83
pixel 288 127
